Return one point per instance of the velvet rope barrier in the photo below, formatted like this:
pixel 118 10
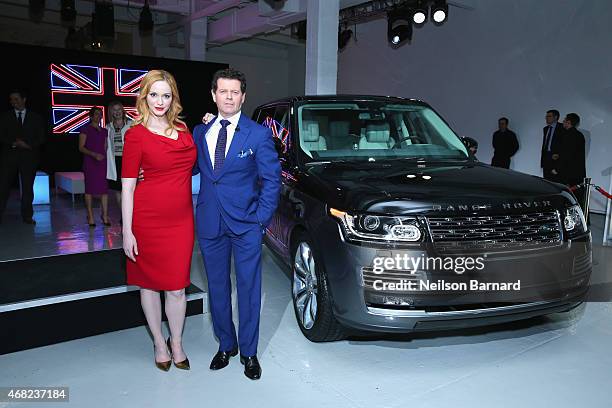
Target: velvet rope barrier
pixel 599 189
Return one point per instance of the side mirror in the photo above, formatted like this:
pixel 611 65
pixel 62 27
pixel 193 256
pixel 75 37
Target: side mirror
pixel 470 144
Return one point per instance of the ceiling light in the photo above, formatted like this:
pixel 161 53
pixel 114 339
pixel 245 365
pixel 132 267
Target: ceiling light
pixel 399 26
pixel 420 14
pixel 439 12
pixel 344 37
pixel 68 11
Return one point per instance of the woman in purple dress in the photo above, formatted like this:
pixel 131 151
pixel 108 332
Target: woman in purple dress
pixel 92 143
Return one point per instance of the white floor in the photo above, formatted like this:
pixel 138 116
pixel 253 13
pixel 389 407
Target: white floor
pixel 562 360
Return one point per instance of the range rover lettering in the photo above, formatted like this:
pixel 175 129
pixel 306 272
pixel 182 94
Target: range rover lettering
pixel 389 224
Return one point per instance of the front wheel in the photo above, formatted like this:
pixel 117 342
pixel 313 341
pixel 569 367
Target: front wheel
pixel 312 302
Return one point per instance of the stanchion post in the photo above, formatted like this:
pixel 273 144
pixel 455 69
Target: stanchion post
pixel 607 235
pixel 587 197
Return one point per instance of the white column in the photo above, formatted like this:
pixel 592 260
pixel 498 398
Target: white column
pixel 196 34
pixel 322 46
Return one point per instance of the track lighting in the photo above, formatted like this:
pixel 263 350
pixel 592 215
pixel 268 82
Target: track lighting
pixel 419 16
pixel 145 22
pixel 344 36
pixel 399 26
pixel 439 12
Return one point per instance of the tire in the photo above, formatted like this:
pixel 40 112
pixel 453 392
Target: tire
pixel 310 295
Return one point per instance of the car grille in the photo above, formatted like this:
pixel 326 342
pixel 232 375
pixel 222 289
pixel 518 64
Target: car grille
pixel 504 232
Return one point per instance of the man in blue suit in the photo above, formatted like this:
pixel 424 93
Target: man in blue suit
pixel 239 190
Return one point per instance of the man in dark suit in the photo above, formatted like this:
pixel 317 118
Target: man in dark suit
pixel 572 163
pixel 551 145
pixel 505 145
pixel 239 191
pixel 572 167
pixel 21 134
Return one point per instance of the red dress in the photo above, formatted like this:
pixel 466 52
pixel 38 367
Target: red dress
pixel 162 220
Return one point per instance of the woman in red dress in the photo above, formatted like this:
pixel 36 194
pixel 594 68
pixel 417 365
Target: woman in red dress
pixel 157 212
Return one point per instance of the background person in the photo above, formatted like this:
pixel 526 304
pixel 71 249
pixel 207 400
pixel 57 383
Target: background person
pixel 93 144
pixel 505 145
pixel 117 125
pixel 21 134
pixel 572 165
pixel 551 146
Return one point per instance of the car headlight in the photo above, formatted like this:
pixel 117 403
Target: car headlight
pixel 367 227
pixel 574 222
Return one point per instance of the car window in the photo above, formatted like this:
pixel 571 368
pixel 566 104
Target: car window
pixel 375 130
pixel 264 114
pixel 276 118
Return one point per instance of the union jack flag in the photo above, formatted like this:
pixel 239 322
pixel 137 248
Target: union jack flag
pixel 75 89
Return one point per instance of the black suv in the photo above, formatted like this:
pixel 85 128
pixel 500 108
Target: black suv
pixel 391 225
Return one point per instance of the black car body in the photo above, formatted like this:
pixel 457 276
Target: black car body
pixel 369 178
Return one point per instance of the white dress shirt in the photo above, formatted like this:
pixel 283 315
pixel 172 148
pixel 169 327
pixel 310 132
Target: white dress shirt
pixel 549 135
pixel 213 134
pixel 23 115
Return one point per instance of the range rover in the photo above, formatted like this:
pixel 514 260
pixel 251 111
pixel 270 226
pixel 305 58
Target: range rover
pixel 389 224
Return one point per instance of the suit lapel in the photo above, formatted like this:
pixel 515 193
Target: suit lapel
pixel 238 141
pixel 204 146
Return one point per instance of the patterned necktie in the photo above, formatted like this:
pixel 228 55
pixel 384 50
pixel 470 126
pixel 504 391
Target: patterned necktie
pixel 20 118
pixel 220 148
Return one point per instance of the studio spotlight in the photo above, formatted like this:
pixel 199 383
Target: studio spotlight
pixel 439 12
pixel 68 11
pixel 399 26
pixel 36 9
pixel 419 16
pixel 344 37
pixel 145 23
pixel 103 20
pixel 298 30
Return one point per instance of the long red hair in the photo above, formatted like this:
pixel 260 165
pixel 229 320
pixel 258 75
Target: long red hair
pixel 173 114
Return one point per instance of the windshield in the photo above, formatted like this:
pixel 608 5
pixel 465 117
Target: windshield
pixel 374 131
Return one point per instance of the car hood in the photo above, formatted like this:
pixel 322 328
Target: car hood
pixel 405 188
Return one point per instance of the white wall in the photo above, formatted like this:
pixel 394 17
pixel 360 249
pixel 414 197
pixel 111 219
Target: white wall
pixel 514 58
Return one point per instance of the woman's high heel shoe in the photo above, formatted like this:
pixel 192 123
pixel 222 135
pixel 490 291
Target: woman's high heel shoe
pixel 183 365
pixel 91 224
pixel 107 224
pixel 164 365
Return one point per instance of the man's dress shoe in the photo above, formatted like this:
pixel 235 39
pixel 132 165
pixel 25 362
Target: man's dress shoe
pixel 221 359
pixel 252 369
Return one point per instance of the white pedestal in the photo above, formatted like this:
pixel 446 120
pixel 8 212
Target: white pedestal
pixel 70 181
pixel 41 188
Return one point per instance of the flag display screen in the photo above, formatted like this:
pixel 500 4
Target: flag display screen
pixel 75 89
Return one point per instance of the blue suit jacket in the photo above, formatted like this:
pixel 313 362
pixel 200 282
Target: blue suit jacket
pixel 245 192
